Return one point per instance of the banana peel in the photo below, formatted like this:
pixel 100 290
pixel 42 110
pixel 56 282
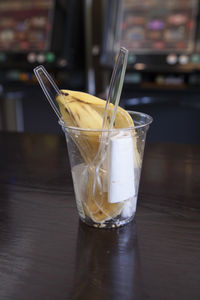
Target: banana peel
pixel 86 111
pixel 96 205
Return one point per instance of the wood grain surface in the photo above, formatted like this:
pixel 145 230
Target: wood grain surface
pixel 47 253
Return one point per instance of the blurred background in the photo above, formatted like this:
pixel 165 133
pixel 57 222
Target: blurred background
pixel 77 41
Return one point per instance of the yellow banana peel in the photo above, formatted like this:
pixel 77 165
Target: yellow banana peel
pixel 86 111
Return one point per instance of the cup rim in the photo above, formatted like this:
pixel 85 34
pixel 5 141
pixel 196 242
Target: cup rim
pixel 131 112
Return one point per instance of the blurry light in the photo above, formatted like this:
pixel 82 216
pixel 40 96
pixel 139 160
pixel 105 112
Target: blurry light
pixel 140 66
pixel 183 59
pixel 62 62
pixel 13 75
pixel 195 58
pixel 146 100
pixel 133 101
pixel 31 57
pixel 160 79
pixel 2 56
pixel 131 59
pixel 50 57
pixel 174 80
pixel 133 78
pixel 172 59
pixel 23 76
pixel 40 58
pixel 1 88
pixel 95 50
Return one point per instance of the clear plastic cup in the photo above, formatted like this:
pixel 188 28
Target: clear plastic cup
pixel 106 184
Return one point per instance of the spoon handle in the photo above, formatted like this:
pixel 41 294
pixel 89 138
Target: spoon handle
pixel 115 88
pixel 48 86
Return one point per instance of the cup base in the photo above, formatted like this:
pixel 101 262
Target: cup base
pixel 114 223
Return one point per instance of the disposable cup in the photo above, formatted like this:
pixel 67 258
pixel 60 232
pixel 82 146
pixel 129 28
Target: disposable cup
pixel 106 184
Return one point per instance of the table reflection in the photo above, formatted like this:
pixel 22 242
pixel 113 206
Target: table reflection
pixel 107 264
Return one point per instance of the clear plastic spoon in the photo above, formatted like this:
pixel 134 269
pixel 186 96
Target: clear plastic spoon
pixel 49 88
pixel 115 88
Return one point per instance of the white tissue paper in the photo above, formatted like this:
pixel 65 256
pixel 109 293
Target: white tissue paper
pixel 121 178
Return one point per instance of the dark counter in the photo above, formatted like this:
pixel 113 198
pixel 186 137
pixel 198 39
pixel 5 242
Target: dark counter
pixel 46 253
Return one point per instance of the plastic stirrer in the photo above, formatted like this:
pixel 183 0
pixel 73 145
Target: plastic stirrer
pixel 115 87
pixel 49 87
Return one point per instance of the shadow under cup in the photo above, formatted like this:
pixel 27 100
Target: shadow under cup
pixel 106 167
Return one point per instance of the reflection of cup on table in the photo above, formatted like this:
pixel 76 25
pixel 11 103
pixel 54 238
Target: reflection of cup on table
pixel 107 198
pixel 108 264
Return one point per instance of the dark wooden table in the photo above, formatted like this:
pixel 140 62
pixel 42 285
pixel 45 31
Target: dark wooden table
pixel 46 253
